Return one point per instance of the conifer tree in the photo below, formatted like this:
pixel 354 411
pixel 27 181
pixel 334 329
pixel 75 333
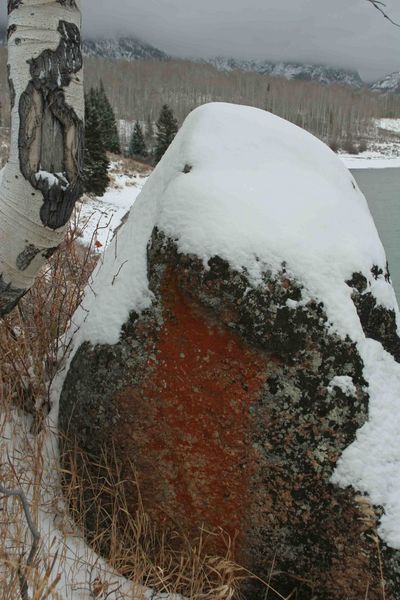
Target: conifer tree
pixel 137 145
pixel 95 170
pixel 107 120
pixel 167 128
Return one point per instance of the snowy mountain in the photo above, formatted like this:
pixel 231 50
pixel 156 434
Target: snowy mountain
pixel 390 83
pixel 305 72
pixel 126 48
pixel 130 48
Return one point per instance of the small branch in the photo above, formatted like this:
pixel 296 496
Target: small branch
pixel 119 271
pixel 380 6
pixel 8 493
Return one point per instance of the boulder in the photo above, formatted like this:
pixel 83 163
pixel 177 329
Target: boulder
pixel 230 348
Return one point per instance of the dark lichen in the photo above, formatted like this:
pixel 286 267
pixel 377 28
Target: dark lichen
pixel 378 322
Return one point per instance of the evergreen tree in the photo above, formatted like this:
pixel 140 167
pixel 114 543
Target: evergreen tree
pixel 137 146
pixel 95 169
pixel 167 128
pixel 107 120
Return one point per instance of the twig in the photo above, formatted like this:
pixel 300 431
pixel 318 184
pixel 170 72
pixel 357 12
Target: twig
pixel 118 272
pixel 8 493
pixel 380 6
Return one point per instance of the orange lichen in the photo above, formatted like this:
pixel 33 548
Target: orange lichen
pixel 190 432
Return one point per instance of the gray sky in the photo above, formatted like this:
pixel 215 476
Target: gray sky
pixel 347 33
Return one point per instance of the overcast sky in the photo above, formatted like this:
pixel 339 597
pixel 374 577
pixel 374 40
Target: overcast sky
pixel 347 33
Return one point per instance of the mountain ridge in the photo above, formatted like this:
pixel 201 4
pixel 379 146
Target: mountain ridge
pixel 124 48
pixel 131 48
pixel 388 84
pixel 288 70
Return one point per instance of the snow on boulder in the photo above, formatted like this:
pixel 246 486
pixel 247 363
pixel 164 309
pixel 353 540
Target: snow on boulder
pixel 239 344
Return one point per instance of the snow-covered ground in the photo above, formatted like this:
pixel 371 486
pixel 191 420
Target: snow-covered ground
pixel 370 160
pixel 384 155
pixel 388 124
pixel 98 218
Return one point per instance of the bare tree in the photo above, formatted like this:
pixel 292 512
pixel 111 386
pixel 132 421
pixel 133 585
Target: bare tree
pixel 42 178
pixel 381 6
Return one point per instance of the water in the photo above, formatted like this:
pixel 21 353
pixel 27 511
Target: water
pixel 381 187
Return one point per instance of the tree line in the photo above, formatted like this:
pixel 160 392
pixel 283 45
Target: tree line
pixel 335 113
pixel 138 90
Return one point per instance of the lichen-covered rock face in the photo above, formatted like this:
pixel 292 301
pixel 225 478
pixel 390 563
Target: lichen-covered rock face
pixel 231 401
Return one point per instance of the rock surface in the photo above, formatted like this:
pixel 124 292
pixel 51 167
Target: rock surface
pixel 223 395
pixel 239 332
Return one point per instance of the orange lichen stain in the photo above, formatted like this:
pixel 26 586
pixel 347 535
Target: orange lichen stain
pixel 190 431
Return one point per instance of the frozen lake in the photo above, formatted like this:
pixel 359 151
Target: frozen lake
pixel 381 187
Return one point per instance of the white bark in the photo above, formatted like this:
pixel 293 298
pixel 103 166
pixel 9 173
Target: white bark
pixel 41 180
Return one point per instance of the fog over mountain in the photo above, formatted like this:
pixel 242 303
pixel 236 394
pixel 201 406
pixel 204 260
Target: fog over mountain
pixel 332 32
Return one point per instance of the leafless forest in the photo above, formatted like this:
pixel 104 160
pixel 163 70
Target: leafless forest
pixel 137 90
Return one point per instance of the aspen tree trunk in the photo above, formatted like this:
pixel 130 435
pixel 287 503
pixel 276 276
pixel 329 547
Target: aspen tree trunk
pixel 42 179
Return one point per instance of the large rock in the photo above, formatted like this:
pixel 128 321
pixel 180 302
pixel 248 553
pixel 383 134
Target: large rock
pixel 238 380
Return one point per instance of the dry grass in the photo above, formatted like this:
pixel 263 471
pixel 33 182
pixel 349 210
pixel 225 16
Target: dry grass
pixel 31 347
pixel 135 546
pixel 124 165
pixel 31 343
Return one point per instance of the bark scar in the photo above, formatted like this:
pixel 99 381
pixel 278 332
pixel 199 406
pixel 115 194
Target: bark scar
pixel 69 3
pixel 51 133
pixel 13 4
pixel 11 87
pixel 9 296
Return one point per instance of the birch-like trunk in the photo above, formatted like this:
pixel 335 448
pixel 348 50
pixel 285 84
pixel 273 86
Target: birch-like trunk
pixel 42 178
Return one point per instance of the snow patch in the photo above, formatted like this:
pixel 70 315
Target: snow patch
pixel 259 187
pixel 372 463
pixel 98 218
pixel 344 383
pixel 388 124
pixel 370 160
pixel 52 179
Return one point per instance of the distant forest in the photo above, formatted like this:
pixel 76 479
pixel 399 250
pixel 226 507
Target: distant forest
pixel 137 90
